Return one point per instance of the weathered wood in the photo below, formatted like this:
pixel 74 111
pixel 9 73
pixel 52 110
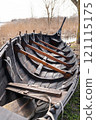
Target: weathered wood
pixel 67 75
pixel 18 49
pixel 49 56
pixel 43 97
pixel 50 50
pixel 56 48
pixel 21 106
pixel 38 70
pixel 51 46
pixel 35 88
pixel 6 114
pixel 43 74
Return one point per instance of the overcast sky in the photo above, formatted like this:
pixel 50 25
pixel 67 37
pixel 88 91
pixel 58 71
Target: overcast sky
pixel 15 9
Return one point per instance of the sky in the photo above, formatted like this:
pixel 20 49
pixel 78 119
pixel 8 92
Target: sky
pixel 19 9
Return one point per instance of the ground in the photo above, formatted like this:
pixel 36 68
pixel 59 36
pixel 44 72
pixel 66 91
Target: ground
pixel 10 30
pixel 72 109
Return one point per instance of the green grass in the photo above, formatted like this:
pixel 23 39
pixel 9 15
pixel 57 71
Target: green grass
pixel 75 46
pixel 72 109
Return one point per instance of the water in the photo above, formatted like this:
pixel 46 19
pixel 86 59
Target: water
pixel 1 23
pixel 69 40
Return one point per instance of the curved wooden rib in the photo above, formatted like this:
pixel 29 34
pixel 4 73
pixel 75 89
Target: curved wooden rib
pixel 47 55
pixel 49 45
pixel 50 50
pixel 18 49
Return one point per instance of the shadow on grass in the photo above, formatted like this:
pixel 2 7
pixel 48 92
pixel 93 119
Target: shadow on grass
pixel 72 109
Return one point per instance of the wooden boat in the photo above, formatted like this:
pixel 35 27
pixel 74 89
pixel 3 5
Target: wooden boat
pixel 38 75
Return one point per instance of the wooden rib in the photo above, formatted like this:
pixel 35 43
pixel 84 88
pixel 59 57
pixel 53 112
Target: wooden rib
pixel 50 50
pixel 66 74
pixel 47 55
pixel 68 58
pixel 51 45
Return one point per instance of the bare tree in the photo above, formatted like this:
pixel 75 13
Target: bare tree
pixel 50 5
pixel 31 8
pixel 31 12
pixel 77 4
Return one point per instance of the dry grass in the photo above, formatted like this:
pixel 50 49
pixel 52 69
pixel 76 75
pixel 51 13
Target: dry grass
pixel 12 28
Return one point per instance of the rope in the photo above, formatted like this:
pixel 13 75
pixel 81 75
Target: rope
pixel 45 108
pixel 48 113
pixel 51 115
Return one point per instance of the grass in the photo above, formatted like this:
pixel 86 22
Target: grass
pixel 72 109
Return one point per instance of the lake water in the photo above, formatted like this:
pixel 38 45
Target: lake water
pixel 69 40
pixel 1 24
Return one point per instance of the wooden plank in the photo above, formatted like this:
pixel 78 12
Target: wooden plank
pixel 56 75
pixel 8 115
pixel 53 85
pixel 59 84
pixel 38 83
pixel 43 74
pixel 39 96
pixel 31 81
pixel 21 106
pixel 49 75
pixel 45 84
pixel 35 88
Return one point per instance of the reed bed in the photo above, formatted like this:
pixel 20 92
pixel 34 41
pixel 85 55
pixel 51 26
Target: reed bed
pixel 12 28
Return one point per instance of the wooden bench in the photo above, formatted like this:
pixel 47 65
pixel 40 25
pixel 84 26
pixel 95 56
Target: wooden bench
pixel 37 92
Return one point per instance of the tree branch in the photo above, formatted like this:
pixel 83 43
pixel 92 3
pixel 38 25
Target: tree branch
pixel 75 3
